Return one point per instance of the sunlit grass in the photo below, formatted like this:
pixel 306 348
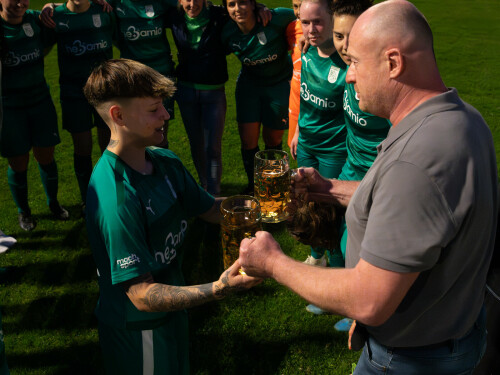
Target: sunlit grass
pixel 49 296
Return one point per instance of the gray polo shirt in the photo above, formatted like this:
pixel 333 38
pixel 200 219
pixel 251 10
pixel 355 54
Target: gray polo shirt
pixel 428 205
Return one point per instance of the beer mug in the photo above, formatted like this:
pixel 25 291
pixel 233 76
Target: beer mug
pixel 272 184
pixel 241 218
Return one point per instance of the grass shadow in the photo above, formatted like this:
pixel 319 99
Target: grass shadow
pixel 81 359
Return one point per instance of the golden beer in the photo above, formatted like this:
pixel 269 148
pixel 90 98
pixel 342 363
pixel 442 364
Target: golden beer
pixel 241 219
pixel 272 184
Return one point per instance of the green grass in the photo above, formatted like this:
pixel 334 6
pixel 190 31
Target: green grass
pixel 48 298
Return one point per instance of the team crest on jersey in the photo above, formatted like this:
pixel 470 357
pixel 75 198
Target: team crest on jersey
pixel 96 19
pixel 262 38
pixel 333 74
pixel 150 12
pixel 28 30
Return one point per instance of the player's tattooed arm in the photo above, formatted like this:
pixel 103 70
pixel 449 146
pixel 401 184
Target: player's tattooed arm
pixel 223 288
pixel 149 296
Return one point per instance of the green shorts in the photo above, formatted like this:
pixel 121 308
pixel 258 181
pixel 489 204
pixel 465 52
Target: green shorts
pixel 79 116
pixel 160 351
pixel 27 127
pixel 265 104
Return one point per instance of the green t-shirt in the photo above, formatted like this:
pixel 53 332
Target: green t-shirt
pixel 136 224
pixel 263 52
pixel 23 80
pixel 84 40
pixel 364 133
pixel 196 27
pixel 321 118
pixel 141 32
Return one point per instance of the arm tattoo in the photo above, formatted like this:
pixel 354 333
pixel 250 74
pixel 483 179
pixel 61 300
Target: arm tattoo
pixel 226 289
pixel 161 297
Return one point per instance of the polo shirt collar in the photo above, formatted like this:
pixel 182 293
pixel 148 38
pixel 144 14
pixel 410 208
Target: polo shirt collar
pixel 439 103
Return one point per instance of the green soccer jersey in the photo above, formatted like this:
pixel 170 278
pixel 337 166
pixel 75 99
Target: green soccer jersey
pixel 141 32
pixel 263 52
pixel 321 118
pixel 136 224
pixel 364 134
pixel 23 80
pixel 84 40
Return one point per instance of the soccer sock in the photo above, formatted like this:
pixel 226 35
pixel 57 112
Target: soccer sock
pixel 248 161
pixel 48 174
pixel 18 184
pixel 335 258
pixel 277 147
pixel 317 252
pixel 83 170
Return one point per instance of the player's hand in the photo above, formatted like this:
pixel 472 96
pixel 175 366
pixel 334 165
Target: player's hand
pixel 351 331
pixel 232 281
pixel 293 144
pixel 264 15
pixel 303 44
pixel 46 16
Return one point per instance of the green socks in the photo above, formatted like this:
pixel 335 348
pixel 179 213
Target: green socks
pixel 18 184
pixel 248 161
pixel 83 170
pixel 48 174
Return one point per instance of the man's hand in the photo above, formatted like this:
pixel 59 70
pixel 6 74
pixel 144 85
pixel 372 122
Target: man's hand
pixel 46 15
pixel 308 184
pixel 232 281
pixel 258 254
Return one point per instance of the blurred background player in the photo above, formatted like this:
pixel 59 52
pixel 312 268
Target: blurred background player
pixel 84 35
pixel 201 74
pixel 29 115
pixel 141 36
pixel 294 34
pixel 263 87
pixel 319 141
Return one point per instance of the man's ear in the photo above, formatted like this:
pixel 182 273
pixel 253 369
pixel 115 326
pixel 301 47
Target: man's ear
pixel 116 114
pixel 396 62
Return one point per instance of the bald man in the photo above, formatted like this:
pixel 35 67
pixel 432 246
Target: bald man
pixel 421 223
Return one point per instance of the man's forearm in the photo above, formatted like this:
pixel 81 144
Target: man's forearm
pixel 339 192
pixel 365 293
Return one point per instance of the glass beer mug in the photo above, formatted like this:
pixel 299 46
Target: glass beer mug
pixel 241 218
pixel 272 184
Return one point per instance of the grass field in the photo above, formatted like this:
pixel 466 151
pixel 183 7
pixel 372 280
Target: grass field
pixel 48 297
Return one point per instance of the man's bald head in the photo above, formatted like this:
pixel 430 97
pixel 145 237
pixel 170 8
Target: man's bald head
pixel 394 66
pixel 395 23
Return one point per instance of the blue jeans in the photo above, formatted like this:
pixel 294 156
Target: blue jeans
pixel 458 356
pixel 204 114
